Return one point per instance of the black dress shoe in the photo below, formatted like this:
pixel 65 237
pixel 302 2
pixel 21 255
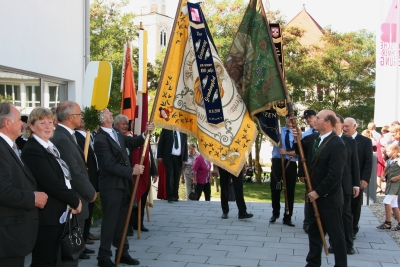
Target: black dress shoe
pixel 245 216
pixel 89 242
pixel 92 237
pixel 288 223
pixel 273 218
pixel 330 249
pixel 171 200
pixel 84 256
pixel 88 251
pixel 142 229
pixel 224 216
pixel 176 199
pixel 106 263
pixel 130 230
pixel 127 259
pixel 351 251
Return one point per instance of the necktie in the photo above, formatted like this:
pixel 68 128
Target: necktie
pixel 15 149
pixel 115 136
pixel 176 144
pixel 313 130
pixel 91 145
pixel 74 138
pixel 54 151
pixel 316 144
pixel 287 141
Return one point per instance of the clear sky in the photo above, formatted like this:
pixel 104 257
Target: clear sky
pixel 342 15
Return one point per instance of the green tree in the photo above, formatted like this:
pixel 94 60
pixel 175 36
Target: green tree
pixel 223 18
pixel 109 31
pixel 337 75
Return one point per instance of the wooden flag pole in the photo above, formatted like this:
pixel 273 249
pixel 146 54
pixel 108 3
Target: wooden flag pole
pixel 139 224
pixel 298 138
pixel 86 147
pixel 128 216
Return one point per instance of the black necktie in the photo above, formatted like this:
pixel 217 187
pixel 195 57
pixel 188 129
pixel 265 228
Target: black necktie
pixel 176 144
pixel 287 141
pixel 313 130
pixel 316 144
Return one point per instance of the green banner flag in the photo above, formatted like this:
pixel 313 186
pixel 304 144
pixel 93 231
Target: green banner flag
pixel 252 64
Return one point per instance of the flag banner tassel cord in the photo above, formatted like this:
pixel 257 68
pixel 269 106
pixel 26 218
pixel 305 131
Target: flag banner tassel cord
pixel 283 172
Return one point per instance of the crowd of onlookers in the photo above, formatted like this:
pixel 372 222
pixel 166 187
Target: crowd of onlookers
pixel 45 173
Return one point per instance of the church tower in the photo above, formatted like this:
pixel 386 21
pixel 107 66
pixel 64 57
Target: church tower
pixel 158 25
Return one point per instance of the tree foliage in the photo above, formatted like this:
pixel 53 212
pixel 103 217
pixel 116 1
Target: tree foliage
pixel 109 31
pixel 223 19
pixel 337 75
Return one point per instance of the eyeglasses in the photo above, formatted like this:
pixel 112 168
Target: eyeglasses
pixel 80 114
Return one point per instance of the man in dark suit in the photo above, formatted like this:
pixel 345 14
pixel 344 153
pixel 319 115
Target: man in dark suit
pixel 18 198
pixel 365 153
pixel 326 156
pixel 69 116
pixel 286 151
pixel 93 172
pixel 350 184
pixel 237 181
pixel 21 140
pixel 173 151
pixel 115 179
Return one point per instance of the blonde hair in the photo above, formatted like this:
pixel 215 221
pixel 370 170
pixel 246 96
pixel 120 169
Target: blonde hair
pixel 38 113
pixel 366 133
pixel 385 129
pixel 371 126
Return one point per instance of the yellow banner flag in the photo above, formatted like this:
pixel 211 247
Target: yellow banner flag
pixel 180 104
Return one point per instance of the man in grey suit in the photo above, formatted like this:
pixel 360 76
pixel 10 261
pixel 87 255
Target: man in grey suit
pixel 18 198
pixel 115 181
pixel 69 116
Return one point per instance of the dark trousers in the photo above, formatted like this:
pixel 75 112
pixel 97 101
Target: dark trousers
pixel 276 186
pixel 356 210
pixel 88 222
pixel 134 215
pixel 206 188
pixel 15 262
pixel 331 219
pixel 44 253
pixel 173 172
pixel 347 222
pixel 115 203
pixel 224 181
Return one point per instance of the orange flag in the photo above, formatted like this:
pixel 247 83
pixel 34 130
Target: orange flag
pixel 128 103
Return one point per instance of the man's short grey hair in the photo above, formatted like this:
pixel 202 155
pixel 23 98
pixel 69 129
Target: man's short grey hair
pixel 120 117
pixel 65 109
pixel 352 120
pixel 6 113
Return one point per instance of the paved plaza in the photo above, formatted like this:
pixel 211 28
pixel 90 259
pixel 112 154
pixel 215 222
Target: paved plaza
pixel 192 234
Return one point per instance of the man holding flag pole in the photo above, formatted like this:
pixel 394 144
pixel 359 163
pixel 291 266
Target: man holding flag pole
pixel 254 66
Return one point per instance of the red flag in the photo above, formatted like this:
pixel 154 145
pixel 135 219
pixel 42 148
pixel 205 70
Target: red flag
pixel 128 103
pixel 140 127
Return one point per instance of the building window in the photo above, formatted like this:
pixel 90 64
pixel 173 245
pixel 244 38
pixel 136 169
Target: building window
pixel 163 38
pixel 33 95
pixel 54 96
pixel 12 93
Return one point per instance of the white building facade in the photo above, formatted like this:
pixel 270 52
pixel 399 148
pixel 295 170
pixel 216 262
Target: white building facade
pixel 42 52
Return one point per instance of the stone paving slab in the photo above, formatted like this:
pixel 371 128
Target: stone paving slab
pixel 192 234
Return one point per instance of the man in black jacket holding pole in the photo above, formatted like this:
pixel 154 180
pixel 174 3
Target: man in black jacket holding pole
pixel 326 156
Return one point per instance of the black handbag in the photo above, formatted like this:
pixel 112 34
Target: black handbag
pixel 72 243
pixel 193 193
